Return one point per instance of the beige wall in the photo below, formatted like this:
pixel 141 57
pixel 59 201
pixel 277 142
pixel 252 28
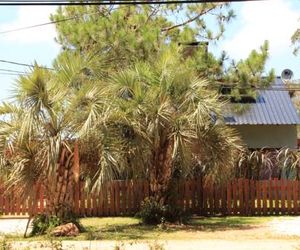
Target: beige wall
pixel 270 136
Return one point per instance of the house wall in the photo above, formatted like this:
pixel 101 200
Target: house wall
pixel 269 136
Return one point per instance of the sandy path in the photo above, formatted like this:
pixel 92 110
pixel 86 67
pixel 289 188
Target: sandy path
pixel 12 226
pixel 171 245
pixel 289 226
pixel 279 234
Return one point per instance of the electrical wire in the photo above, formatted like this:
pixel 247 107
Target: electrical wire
pixel 24 64
pixel 105 2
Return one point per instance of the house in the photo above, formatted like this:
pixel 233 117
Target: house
pixel 269 121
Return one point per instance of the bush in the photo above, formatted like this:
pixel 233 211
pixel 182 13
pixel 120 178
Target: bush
pixel 43 223
pixel 153 213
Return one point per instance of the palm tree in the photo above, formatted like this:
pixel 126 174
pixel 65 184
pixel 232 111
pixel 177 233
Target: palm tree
pixel 40 126
pixel 166 115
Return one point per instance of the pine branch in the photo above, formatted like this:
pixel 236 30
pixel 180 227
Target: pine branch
pixel 190 20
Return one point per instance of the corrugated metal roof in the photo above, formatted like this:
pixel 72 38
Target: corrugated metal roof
pixel 274 108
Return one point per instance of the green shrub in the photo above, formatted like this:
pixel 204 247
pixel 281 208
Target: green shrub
pixel 42 222
pixel 153 213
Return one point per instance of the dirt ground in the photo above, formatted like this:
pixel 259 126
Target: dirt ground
pixel 280 233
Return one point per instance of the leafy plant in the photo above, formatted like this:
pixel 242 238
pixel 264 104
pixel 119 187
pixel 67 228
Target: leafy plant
pixel 153 213
pixel 42 223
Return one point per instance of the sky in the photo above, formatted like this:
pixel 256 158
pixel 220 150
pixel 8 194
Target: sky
pixel 255 22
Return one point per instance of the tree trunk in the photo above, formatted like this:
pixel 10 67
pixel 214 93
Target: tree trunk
pixel 161 171
pixel 60 188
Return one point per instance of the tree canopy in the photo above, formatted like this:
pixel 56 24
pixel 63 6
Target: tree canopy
pixel 127 34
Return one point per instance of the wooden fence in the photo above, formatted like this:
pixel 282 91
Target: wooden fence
pixel 117 198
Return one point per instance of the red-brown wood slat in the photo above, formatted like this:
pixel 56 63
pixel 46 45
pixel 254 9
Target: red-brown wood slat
pixel 136 195
pixel 18 204
pixel 271 197
pixel 252 198
pixel 246 197
pixel 12 202
pixel 22 207
pixel 94 203
pixel 276 195
pixel 229 198
pixel 105 195
pixel 186 196
pixel 117 197
pixel 265 197
pixel 199 196
pixel 283 196
pixel 211 198
pixel 88 204
pixel 194 196
pixel 224 199
pixel 258 197
pixel 112 198
pixel 241 197
pixel 295 197
pixel 129 200
pixel 125 196
pixel 289 196
pixel 133 196
pixel 181 192
pixel 216 189
pixel 34 199
pixel 234 197
pixel 205 198
pixel 100 201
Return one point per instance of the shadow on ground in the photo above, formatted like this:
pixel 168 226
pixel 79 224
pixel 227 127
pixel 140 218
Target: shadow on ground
pixel 137 231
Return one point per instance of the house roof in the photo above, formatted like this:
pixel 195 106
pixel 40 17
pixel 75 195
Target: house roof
pixel 273 107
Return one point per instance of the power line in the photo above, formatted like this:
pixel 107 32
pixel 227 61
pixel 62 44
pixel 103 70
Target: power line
pixel 12 74
pixel 37 25
pixel 48 23
pixel 106 2
pixel 24 64
pixel 12 71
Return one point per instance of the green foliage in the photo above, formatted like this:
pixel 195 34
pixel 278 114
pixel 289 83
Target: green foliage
pixel 246 75
pixel 42 223
pixel 130 33
pixel 296 41
pixel 153 213
pixel 266 164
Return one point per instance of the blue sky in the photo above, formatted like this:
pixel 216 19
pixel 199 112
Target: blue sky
pixel 273 20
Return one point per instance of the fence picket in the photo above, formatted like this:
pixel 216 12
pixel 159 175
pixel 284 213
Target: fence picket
pixel 282 196
pixel 265 198
pixel 295 196
pixel 234 196
pixel 229 196
pixel 289 196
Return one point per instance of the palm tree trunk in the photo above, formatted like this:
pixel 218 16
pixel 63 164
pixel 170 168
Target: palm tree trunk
pixel 61 187
pixel 161 172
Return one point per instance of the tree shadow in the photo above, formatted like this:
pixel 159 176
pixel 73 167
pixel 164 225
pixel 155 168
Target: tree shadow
pixel 142 232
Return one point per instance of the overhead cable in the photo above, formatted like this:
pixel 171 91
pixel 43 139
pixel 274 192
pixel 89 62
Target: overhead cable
pixel 105 2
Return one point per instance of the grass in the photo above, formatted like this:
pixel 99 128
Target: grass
pixel 129 228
